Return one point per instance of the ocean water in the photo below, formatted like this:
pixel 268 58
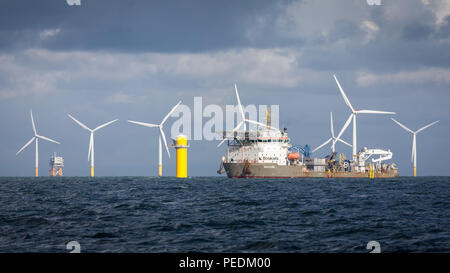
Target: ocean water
pixel 217 214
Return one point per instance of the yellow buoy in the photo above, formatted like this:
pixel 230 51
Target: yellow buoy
pixel 181 146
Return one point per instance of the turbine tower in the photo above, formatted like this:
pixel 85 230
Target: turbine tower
pixel 414 151
pixel 91 140
pixel 244 119
pixel 160 126
pixel 353 115
pixel 332 138
pixel 36 139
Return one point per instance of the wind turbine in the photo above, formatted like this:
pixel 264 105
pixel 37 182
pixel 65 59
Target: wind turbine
pixel 244 119
pixel 160 126
pixel 414 151
pixel 353 116
pixel 36 139
pixel 332 138
pixel 91 140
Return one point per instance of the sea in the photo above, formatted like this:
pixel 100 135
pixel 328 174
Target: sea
pixel 218 214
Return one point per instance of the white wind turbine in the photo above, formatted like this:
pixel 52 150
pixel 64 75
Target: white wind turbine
pixel 160 126
pixel 91 140
pixel 36 139
pixel 414 150
pixel 353 116
pixel 244 119
pixel 332 138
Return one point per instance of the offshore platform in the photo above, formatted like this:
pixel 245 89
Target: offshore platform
pixel 56 165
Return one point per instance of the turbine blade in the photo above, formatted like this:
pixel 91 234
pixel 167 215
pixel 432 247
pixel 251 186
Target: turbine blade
pixel 238 126
pixel 403 126
pixel 24 146
pixel 79 123
pixel 165 141
pixel 343 94
pixel 223 140
pixel 374 112
pixel 425 127
pixel 345 126
pixel 105 124
pixel 332 126
pixel 338 139
pixel 170 113
pixel 255 122
pixel 323 144
pixel 48 139
pixel 32 122
pixel 241 110
pixel 413 150
pixel 144 124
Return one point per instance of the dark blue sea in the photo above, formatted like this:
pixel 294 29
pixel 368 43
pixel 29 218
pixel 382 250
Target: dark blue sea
pixel 217 214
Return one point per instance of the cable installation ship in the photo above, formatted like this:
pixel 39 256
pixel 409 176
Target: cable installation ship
pixel 268 153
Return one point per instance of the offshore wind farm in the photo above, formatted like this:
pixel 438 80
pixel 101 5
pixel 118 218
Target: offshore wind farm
pixel 267 152
pixel 234 127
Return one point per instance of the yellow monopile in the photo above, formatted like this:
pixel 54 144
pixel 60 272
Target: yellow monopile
pixel 181 147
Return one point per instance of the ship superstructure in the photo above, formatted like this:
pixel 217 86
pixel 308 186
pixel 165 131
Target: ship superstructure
pixel 260 146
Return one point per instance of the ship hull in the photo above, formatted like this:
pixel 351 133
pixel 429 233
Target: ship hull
pixel 268 170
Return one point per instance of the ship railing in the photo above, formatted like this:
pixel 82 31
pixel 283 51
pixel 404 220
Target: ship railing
pixel 250 134
pixel 254 136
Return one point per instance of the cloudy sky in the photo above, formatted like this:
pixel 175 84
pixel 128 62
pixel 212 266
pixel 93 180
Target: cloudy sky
pixel 136 59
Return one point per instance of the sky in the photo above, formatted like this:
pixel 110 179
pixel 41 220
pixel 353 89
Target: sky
pixel 135 60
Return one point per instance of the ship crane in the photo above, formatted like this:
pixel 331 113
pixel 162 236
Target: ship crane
pixel 366 153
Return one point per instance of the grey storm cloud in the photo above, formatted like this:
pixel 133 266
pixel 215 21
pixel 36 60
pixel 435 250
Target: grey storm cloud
pixel 159 26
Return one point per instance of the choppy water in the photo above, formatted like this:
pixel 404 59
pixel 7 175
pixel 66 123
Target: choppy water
pixel 210 214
